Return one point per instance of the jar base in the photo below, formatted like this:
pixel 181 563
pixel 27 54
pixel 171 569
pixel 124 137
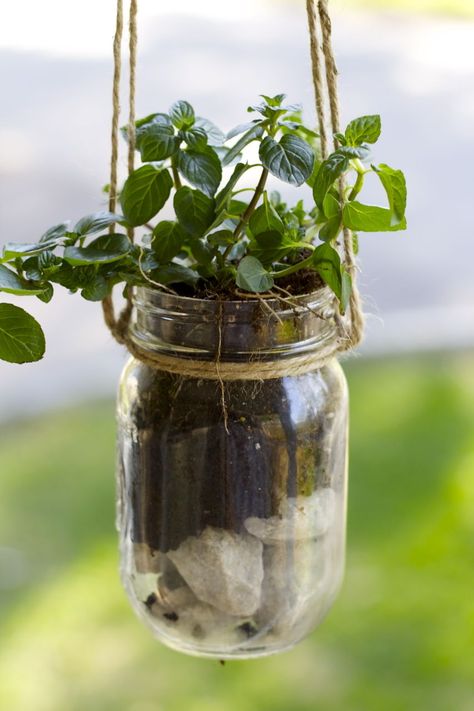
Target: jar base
pixel 235 655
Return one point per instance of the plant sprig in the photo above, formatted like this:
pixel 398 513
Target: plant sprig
pixel 223 233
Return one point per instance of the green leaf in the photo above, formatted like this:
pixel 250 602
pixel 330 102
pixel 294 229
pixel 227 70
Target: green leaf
pixel 221 238
pixel 195 138
pixel 156 142
pixel 226 192
pixel 271 247
pixel 52 234
pixel 274 101
pixel 11 283
pixel 327 262
pixel 182 115
pixel 194 210
pixel 331 206
pixel 395 186
pixel 31 269
pixel 253 134
pixel 330 230
pixel 346 290
pixel 96 222
pixel 21 336
pixel 103 250
pixel 168 239
pixel 175 274
pixel 215 136
pixel 202 169
pixel 252 276
pixel 242 128
pixel 47 293
pixel 202 252
pixel 97 289
pixel 160 118
pixel 266 218
pixel 16 249
pixel 361 152
pixel 329 170
pixel 369 218
pixel 290 160
pixel 144 123
pixel 365 129
pixel 144 194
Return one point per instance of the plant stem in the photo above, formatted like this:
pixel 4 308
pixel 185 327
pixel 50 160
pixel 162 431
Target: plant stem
pixel 176 178
pixel 357 186
pixel 248 212
pixel 294 268
pixel 359 168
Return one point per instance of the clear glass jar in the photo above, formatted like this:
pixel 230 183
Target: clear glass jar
pixel 232 541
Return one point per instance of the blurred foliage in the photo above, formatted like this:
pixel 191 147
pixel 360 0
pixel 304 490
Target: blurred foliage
pixel 400 636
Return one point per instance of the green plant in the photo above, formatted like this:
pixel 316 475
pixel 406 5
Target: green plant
pixel 225 236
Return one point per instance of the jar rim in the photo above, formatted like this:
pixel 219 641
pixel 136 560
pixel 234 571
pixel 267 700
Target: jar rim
pixel 236 330
pixel 148 296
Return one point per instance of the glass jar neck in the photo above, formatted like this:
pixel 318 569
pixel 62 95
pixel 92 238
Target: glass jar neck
pixel 234 330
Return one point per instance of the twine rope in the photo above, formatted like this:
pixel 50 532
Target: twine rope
pixel 223 371
pixel 320 31
pixel 119 326
pixel 324 74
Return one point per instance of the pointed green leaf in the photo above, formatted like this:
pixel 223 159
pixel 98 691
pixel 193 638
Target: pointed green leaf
pixel 215 137
pixel 182 114
pixel 103 250
pixel 156 142
pixel 175 274
pixel 327 263
pixel 369 218
pixel 253 134
pixel 168 239
pixel 223 195
pixel 365 129
pixel 331 169
pixel 252 276
pixel 11 283
pixel 96 222
pixel 194 210
pixel 395 186
pixel 195 138
pixel 144 194
pixel 266 218
pixel 290 160
pixel 21 336
pixel 202 169
pixel 97 290
pixel 346 290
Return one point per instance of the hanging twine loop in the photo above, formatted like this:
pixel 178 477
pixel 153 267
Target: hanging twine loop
pixel 324 73
pixel 119 326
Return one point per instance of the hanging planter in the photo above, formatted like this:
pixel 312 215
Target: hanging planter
pixel 232 409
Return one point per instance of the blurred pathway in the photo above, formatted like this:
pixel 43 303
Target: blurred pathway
pixel 417 72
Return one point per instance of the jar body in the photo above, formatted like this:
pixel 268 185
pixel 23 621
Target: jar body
pixel 232 528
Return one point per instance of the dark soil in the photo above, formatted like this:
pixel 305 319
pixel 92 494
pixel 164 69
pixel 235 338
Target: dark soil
pixel 305 281
pixel 184 472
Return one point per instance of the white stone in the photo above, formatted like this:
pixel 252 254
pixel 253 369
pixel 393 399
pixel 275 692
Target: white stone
pixel 303 517
pixel 294 586
pixel 222 568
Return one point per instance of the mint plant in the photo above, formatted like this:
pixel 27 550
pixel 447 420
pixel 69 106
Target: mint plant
pixel 225 237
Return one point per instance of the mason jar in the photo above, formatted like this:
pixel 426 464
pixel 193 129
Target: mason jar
pixel 232 488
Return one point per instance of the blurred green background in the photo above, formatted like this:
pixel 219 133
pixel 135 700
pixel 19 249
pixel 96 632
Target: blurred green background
pixel 400 637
